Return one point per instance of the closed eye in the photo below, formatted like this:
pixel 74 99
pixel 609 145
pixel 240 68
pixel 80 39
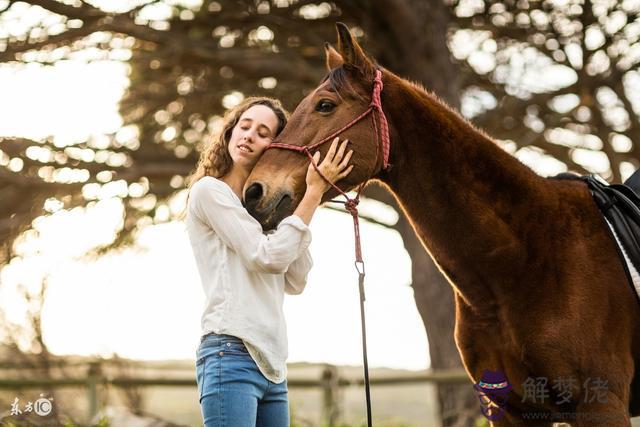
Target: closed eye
pixel 325 106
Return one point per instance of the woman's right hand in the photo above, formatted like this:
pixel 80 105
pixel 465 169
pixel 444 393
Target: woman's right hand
pixel 334 167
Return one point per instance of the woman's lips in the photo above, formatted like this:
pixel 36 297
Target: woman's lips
pixel 244 148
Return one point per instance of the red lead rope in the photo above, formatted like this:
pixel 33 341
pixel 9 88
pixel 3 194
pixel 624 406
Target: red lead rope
pixel 351 205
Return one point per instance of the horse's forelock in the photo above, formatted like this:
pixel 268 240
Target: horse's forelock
pixel 339 81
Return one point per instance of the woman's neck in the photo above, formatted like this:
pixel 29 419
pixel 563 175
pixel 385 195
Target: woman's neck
pixel 236 179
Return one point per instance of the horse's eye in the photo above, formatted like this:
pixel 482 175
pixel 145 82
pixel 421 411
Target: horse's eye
pixel 325 106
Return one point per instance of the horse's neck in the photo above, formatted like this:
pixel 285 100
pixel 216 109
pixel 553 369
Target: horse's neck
pixel 467 199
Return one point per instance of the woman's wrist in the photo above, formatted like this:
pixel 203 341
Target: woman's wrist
pixel 309 203
pixel 314 192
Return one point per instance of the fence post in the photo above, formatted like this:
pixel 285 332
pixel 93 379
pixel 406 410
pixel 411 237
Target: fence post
pixel 93 378
pixel 330 392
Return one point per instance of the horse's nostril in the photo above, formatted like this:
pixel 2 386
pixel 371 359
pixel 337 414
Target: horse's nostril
pixel 253 194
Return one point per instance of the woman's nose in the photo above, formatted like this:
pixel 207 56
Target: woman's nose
pixel 248 136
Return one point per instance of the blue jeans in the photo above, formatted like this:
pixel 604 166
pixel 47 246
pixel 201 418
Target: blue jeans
pixel 232 391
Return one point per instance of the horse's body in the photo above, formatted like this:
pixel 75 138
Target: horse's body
pixel 540 290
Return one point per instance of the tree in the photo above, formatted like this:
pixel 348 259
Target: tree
pixel 38 360
pixel 187 61
pixel 561 76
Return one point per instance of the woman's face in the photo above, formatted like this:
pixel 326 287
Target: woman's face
pixel 254 131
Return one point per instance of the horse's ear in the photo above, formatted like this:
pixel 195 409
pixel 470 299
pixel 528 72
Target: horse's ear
pixel 351 52
pixel 334 60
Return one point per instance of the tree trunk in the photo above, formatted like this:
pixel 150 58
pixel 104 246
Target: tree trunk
pixel 434 299
pixel 414 46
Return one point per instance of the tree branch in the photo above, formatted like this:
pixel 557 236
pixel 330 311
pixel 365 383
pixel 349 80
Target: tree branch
pixel 84 12
pixel 57 40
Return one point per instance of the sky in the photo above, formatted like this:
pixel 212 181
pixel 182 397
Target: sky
pixel 145 302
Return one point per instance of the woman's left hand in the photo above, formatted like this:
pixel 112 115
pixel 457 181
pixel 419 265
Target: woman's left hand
pixel 335 166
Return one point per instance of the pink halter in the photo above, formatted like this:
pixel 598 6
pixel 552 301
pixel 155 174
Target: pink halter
pixel 382 134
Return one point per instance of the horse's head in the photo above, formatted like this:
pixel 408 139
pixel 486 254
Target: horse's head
pixel 277 183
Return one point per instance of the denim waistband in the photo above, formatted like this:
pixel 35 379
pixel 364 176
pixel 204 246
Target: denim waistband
pixel 212 337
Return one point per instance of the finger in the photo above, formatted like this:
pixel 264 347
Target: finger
pixel 332 150
pixel 343 164
pixel 344 173
pixel 340 152
pixel 316 158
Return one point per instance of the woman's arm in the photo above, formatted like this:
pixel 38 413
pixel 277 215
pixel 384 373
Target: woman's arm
pixel 214 204
pixel 295 279
pixel 334 168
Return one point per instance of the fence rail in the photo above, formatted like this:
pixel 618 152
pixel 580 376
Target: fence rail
pixel 330 381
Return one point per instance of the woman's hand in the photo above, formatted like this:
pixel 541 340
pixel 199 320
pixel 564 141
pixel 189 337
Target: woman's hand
pixel 334 167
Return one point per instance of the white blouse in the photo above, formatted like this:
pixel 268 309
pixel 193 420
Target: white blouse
pixel 245 273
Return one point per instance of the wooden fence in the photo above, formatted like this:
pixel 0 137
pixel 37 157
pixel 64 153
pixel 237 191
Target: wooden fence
pixel 329 382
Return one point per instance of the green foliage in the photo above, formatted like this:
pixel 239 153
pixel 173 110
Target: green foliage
pixel 103 422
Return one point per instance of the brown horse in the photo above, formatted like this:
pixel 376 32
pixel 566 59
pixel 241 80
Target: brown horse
pixel 540 291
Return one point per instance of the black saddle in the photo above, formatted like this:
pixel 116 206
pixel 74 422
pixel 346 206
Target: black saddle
pixel 620 204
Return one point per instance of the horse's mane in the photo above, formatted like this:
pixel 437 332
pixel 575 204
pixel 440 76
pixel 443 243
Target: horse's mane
pixel 339 82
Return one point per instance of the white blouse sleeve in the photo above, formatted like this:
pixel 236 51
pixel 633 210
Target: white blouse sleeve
pixel 295 279
pixel 211 201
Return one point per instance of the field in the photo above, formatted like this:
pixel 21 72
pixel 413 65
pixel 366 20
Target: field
pixel 406 405
pixel 394 405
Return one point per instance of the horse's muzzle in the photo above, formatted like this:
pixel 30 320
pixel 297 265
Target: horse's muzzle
pixel 267 210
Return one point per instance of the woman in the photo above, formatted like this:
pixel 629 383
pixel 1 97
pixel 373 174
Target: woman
pixel 240 365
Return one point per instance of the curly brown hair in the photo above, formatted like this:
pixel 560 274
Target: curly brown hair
pixel 215 159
